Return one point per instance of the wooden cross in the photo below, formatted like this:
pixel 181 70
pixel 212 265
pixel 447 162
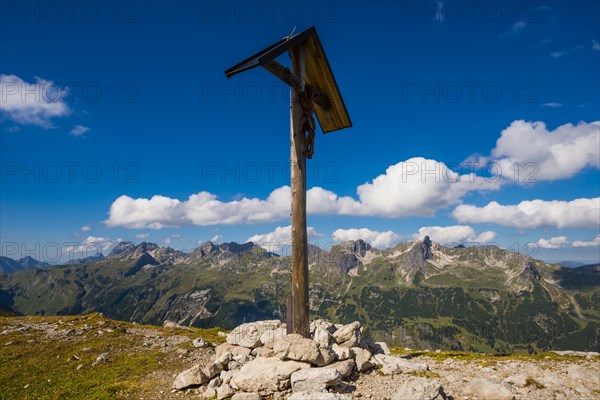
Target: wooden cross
pixel 313 90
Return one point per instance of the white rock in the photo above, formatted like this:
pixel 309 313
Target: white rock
pixel 215 382
pixel 224 358
pixel 342 353
pixel 266 375
pixel 102 358
pixel 248 335
pixel 344 367
pixel 516 380
pixel 328 326
pixel 269 335
pixel 362 358
pixel 586 354
pixel 209 393
pixel 224 391
pixel 314 379
pixel 484 389
pixel 393 365
pixel 213 369
pixel 322 336
pixel 298 348
pixel 552 380
pixel 383 348
pixel 577 373
pixel 171 324
pixel 199 343
pixel 246 396
pixel 226 376
pixel 190 377
pixel 234 365
pixel 263 352
pixel 318 396
pixel 234 350
pixel 348 335
pixel 417 388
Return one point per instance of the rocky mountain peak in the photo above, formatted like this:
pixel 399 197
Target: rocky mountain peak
pixel 146 259
pixel 347 255
pixel 314 251
pixel 233 248
pixel 129 250
pixel 30 262
pixel 358 247
pixel 145 247
pixel 229 250
pixel 121 248
pixel 208 248
pixel 530 273
pixel 361 247
pixel 415 260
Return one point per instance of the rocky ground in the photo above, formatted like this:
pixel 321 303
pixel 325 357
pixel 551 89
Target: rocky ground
pixel 93 357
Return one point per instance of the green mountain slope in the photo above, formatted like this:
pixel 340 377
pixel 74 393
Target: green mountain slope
pixel 416 294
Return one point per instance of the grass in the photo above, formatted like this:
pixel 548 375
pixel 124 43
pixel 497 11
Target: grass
pixel 425 374
pixel 485 360
pixel 36 366
pixel 533 382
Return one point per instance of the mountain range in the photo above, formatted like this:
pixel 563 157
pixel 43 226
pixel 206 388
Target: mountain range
pixel 417 294
pixel 9 266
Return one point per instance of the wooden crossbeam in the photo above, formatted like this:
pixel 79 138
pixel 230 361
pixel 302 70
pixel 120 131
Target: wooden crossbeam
pixel 287 76
pixel 314 90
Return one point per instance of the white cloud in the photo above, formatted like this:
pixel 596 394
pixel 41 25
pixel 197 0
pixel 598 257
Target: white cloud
pixel 564 53
pixel 518 26
pixel 79 130
pixel 86 228
pixel 552 105
pixel 528 152
pixel 553 243
pixel 578 213
pixel 454 234
pixel 200 209
pixel 595 45
pixel 32 103
pixel 592 243
pixel 380 240
pixel 90 246
pixel 216 238
pixel 515 29
pixel 418 187
pixel 439 12
pixel 414 187
pixel 281 237
pixel 142 235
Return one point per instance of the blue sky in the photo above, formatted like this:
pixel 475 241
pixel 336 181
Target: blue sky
pixel 473 122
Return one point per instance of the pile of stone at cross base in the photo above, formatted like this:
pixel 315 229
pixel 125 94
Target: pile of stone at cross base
pixel 260 360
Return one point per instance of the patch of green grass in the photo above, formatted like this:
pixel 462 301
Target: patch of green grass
pixel 36 366
pixel 532 382
pixel 485 360
pixel 425 374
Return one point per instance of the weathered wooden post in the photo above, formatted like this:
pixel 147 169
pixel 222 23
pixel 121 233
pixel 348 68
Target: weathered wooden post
pixel 299 317
pixel 313 90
